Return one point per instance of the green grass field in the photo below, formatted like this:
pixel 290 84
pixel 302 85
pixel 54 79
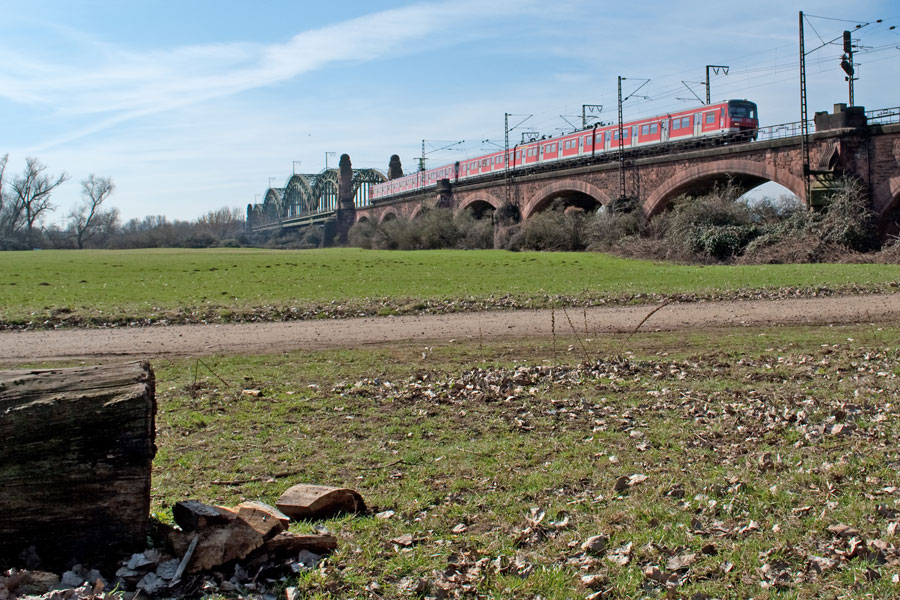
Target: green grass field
pixel 725 460
pixel 742 449
pixel 96 287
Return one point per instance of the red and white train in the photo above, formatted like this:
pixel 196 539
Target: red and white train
pixel 715 120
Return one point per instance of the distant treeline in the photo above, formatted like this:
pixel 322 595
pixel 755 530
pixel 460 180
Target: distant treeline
pixel 26 201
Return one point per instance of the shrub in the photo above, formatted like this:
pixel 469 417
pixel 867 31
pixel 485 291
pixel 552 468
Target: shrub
pixel 312 237
pixel 394 234
pixel 606 229
pixel 721 242
pixel 361 233
pixel 436 228
pixel 849 220
pixel 474 233
pixel 552 229
pixel 713 226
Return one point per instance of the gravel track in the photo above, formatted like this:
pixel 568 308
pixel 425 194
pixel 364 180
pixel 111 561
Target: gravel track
pixel 261 338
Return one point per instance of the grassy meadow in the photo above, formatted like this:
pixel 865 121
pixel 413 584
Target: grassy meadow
pixel 732 464
pixel 103 287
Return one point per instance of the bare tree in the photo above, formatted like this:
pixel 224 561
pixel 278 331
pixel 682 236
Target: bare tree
pixel 31 194
pixel 88 218
pixel 221 224
pixel 6 215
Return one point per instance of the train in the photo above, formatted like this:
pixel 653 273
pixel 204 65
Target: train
pixel 730 119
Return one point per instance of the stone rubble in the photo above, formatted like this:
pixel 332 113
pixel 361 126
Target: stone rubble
pixel 245 550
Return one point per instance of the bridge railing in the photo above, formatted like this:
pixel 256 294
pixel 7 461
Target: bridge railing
pixel 883 116
pixel 783 130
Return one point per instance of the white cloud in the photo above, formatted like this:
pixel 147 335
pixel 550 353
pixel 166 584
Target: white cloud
pixel 120 85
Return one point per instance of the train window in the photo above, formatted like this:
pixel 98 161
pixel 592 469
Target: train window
pixel 686 122
pixel 645 129
pixel 588 141
pixel 710 117
pixel 654 127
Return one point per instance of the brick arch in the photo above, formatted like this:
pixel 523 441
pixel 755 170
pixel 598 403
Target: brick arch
pixel 417 211
pixel 566 185
pixel 684 180
pixel 885 200
pixel 886 196
pixel 362 218
pixel 479 197
pixel 388 214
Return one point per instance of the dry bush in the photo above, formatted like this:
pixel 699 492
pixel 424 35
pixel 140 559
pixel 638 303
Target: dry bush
pixel 361 233
pixel 715 226
pixel 503 234
pixel 474 233
pixel 313 237
pixel 436 229
pixel 395 234
pixel 607 228
pixel 849 220
pixel 844 230
pixel 552 229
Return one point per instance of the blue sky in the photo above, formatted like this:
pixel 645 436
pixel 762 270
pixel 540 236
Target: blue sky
pixel 193 106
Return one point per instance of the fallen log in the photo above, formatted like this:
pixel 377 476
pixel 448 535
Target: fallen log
pixel 76 447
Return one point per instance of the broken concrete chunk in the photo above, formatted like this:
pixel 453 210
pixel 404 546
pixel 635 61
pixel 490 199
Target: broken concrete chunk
pixel 265 519
pixel 71 579
pixel 308 560
pixel 151 583
pixel 144 559
pixel 191 515
pixel 167 569
pixel 305 501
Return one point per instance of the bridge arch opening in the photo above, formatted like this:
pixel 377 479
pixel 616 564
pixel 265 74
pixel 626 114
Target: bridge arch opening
pixel 886 202
pixel 745 175
pixel 480 209
pixel 571 194
pixel 388 216
pixel 568 200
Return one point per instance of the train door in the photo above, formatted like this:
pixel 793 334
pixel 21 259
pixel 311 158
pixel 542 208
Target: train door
pixel 698 123
pixel 664 130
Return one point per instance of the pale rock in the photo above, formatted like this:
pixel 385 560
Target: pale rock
pixel 71 579
pixel 309 559
pixel 151 583
pixel 167 569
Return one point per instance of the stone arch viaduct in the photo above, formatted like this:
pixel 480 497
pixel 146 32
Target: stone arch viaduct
pixel 845 143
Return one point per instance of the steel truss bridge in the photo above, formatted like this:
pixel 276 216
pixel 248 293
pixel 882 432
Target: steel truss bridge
pixel 310 198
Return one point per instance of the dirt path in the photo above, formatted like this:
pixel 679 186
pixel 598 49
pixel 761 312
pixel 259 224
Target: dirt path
pixel 257 338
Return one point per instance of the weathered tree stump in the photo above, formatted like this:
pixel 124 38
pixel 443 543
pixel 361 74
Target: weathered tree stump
pixel 76 448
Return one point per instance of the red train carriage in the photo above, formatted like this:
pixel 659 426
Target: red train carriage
pixel 715 120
